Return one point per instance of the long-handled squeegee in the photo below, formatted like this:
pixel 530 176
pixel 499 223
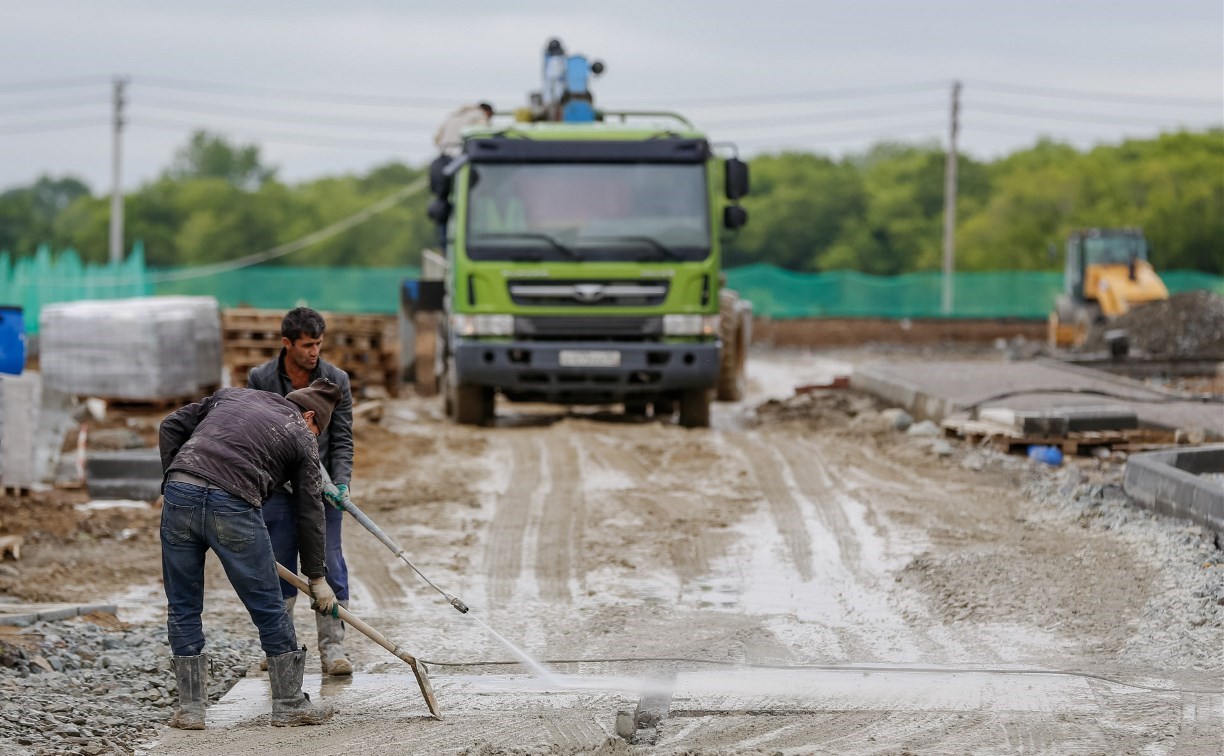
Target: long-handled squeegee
pixel 368 524
pixel 418 669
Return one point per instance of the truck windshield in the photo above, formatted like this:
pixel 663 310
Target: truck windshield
pixel 1115 250
pixel 590 212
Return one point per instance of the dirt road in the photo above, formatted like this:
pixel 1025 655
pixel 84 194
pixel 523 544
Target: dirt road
pixel 834 585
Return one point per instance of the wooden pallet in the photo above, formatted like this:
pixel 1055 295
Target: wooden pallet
pixel 1007 439
pixel 364 346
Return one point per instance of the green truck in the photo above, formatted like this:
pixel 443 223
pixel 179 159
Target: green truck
pixel 582 261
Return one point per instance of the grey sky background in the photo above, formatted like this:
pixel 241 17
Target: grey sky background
pixel 831 77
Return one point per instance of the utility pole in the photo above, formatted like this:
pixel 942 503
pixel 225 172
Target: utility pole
pixel 949 234
pixel 116 212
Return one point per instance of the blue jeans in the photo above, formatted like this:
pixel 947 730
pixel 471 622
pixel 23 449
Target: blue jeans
pixel 279 515
pixel 196 519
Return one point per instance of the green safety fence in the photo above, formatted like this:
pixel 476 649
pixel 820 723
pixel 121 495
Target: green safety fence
pixel 368 290
pixel 44 278
pixel 31 282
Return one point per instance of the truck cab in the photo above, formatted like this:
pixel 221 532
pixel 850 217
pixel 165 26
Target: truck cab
pixel 584 266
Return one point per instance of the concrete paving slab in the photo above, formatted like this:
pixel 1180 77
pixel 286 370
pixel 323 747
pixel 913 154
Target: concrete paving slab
pixel 27 614
pixel 937 390
pixel 126 474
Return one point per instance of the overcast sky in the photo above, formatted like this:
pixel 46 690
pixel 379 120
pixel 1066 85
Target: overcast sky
pixel 832 77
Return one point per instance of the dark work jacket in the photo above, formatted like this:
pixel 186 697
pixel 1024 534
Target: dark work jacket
pixel 336 443
pixel 249 443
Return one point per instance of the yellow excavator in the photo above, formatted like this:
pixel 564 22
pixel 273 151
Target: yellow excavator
pixel 1107 274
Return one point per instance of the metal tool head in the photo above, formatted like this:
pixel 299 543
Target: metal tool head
pixel 455 602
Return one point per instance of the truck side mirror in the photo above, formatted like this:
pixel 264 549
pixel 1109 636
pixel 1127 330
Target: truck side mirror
pixel 737 178
pixel 439 182
pixel 734 217
pixel 439 211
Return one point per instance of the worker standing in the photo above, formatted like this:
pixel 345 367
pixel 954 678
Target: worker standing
pixel 220 458
pixel 298 364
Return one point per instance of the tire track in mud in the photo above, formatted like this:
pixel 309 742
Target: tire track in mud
pixel 786 511
pixel 504 552
pixel 562 521
pixel 818 485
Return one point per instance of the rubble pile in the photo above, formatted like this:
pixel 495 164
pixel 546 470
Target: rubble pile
pixel 86 687
pixel 1189 324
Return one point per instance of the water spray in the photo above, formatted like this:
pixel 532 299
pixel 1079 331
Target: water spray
pixel 388 541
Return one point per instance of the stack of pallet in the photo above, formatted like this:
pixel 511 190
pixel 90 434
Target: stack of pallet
pixel 364 346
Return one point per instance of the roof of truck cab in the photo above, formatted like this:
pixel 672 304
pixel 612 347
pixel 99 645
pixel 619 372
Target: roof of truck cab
pixel 583 131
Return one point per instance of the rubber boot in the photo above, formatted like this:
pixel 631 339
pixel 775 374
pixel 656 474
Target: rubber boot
pixel 331 644
pixel 289 602
pixel 192 675
pixel 290 706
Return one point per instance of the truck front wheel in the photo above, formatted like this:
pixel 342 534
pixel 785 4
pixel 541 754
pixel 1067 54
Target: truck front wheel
pixel 473 405
pixel 695 408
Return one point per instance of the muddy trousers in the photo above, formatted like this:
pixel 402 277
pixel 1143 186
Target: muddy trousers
pixel 196 519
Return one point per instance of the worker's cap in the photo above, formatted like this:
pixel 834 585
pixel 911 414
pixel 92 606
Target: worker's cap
pixel 322 396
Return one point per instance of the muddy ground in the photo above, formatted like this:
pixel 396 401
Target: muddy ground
pixel 798 531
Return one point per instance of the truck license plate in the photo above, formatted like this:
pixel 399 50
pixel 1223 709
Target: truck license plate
pixel 590 358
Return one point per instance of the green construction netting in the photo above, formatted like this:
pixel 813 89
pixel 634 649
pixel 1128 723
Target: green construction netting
pixel 370 290
pixel 31 282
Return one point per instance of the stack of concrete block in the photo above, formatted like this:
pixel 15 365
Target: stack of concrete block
pixel 148 349
pixel 21 403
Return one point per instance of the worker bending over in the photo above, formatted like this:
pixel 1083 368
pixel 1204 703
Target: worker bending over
pixel 298 364
pixel 221 457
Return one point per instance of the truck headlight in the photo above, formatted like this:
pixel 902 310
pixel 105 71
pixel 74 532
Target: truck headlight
pixel 482 325
pixel 690 325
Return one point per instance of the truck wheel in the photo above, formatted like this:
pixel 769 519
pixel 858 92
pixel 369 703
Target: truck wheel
pixel 664 408
pixel 473 405
pixel 735 326
pixel 695 408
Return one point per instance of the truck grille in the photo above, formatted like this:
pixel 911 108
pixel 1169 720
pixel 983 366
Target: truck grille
pixel 546 328
pixel 554 293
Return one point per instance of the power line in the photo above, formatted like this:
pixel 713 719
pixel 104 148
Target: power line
pixel 1073 94
pixel 281 250
pixel 39 127
pixel 64 83
pixel 935 127
pixel 310 140
pixel 824 117
pixel 825 94
pixel 245 90
pixel 162 103
pixel 1062 115
pixel 57 104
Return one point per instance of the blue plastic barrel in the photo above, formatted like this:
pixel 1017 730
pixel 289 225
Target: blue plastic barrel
pixel 12 340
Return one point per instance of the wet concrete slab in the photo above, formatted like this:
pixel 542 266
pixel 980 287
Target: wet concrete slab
pixel 937 390
pixel 384 713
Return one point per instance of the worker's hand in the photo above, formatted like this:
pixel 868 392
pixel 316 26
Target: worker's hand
pixel 337 498
pixel 322 599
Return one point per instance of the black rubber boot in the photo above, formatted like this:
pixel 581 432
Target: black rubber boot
pixel 192 675
pixel 290 706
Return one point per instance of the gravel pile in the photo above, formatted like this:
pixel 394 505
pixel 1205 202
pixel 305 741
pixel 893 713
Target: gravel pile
pixel 80 688
pixel 1189 324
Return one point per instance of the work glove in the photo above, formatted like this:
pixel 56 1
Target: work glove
pixel 337 496
pixel 322 599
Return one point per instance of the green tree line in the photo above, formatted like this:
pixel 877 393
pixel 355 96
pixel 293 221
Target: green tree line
pixel 880 212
